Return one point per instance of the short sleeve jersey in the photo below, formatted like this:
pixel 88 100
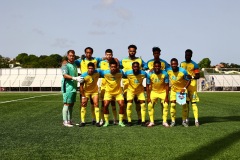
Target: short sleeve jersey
pixel 126 63
pixel 177 79
pixel 90 81
pixel 67 84
pixel 82 63
pixel 158 81
pixel 135 81
pixel 191 68
pixel 164 64
pixel 113 81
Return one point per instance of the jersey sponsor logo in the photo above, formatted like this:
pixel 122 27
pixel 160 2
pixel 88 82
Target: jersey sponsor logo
pixel 156 80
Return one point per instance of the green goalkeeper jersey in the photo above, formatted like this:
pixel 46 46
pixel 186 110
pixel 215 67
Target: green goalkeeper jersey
pixel 67 84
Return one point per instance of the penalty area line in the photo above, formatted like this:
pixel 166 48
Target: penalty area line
pixel 15 100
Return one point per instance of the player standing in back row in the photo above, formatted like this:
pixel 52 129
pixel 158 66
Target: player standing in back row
pixel 83 64
pixel 126 65
pixel 156 57
pixel 193 74
pixel 104 65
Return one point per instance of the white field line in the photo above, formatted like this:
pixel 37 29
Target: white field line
pixel 15 100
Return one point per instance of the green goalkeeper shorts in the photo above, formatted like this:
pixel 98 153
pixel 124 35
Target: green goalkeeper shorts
pixel 69 97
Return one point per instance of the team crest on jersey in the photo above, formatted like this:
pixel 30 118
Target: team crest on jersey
pixel 174 78
pixel 136 81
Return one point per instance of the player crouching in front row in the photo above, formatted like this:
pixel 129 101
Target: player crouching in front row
pixel 90 89
pixel 113 90
pixel 159 82
pixel 135 88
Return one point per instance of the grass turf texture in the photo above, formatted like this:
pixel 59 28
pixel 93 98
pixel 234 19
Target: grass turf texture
pixel 32 129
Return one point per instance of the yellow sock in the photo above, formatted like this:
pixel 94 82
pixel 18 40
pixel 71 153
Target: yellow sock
pixel 151 112
pixel 106 118
pixel 129 111
pixel 165 112
pixel 96 111
pixel 83 114
pixel 138 109
pixel 184 112
pixel 120 118
pixel 195 111
pixel 93 112
pixel 114 112
pixel 143 111
pixel 173 111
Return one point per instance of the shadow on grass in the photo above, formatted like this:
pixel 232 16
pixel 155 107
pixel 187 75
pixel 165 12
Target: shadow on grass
pixel 209 150
pixel 212 119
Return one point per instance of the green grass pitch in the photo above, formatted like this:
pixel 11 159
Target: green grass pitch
pixel 31 128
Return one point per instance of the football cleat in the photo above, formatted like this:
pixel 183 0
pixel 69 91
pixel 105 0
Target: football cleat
pixel 129 124
pixel 121 124
pixel 98 125
pixel 67 124
pixel 82 124
pixel 93 122
pixel 172 124
pixel 101 122
pixel 151 124
pixel 187 121
pixel 165 124
pixel 197 124
pixel 184 124
pixel 106 124
pixel 125 121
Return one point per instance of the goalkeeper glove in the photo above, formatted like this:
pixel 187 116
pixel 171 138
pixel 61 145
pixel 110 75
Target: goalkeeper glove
pixel 79 79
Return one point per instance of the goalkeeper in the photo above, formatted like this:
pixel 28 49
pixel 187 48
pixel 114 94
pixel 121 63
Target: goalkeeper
pixel 69 87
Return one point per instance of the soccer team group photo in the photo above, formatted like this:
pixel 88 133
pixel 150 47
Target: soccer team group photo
pixel 126 82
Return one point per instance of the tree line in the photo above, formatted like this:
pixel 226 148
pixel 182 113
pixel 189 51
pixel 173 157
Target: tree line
pixel 25 60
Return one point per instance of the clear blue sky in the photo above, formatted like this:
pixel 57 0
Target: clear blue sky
pixel 211 28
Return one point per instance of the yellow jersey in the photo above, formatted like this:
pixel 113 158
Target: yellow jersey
pixel 158 81
pixel 90 81
pixel 135 81
pixel 113 81
pixel 164 64
pixel 82 63
pixel 126 63
pixel 191 68
pixel 178 80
